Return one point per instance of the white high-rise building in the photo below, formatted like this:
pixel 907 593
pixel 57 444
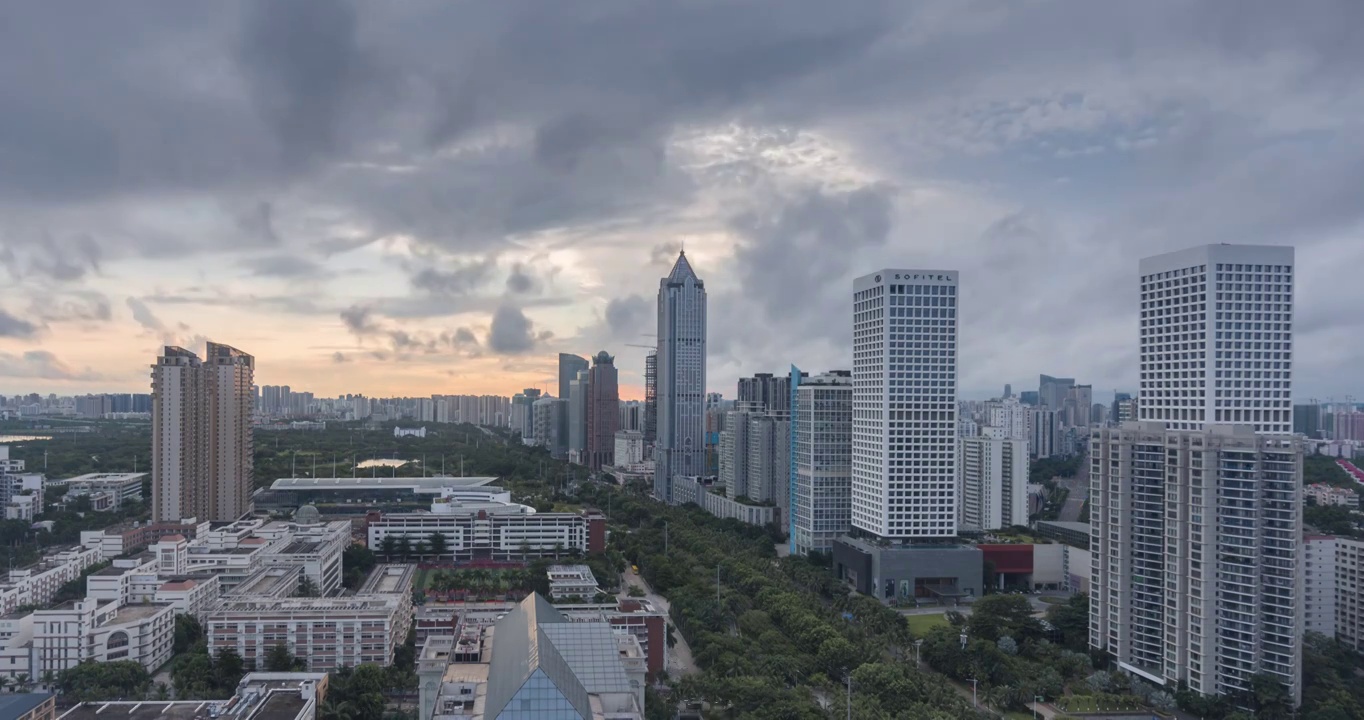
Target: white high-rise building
pixel 994 480
pixel 680 449
pixel 1196 510
pixel 822 462
pixel 1009 415
pixel 1044 430
pixel 1195 543
pixel 904 425
pixel 1216 343
pixel 1319 583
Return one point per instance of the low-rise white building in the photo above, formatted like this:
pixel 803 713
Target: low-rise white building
pixel 327 632
pixel 38 583
pixel 1323 494
pixel 492 528
pixel 107 491
pixel 571 581
pixel 89 630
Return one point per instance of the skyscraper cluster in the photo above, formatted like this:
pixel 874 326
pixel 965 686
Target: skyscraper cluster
pixel 1195 502
pixel 202 448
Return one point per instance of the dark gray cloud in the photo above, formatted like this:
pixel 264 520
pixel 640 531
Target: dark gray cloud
pixel 360 320
pixel 14 327
pixel 41 364
pixel 71 306
pixel 627 316
pixel 520 281
pixel 512 333
pixel 283 266
pixel 1039 148
pixel 340 357
pixel 144 315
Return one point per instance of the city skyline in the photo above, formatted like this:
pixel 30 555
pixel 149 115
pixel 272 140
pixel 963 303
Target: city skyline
pixel 374 209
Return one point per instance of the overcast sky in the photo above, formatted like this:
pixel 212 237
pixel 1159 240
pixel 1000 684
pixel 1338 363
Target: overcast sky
pixel 438 197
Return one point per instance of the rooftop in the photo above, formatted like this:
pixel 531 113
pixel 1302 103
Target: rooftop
pixel 12 706
pixel 135 612
pixel 103 478
pixel 1066 525
pixel 388 579
pixel 412 484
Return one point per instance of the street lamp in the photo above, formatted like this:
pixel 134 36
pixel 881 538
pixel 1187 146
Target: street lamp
pixel 974 701
pixel 1036 699
pixel 918 652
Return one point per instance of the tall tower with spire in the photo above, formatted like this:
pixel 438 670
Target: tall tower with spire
pixel 680 449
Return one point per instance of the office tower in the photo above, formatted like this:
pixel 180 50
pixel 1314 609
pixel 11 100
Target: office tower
pixel 1078 405
pixel 681 377
pixel 1216 344
pixel 733 460
pixel 569 367
pixel 1028 397
pixel 1098 414
pixel 821 455
pixel 1008 391
pixel 577 416
pixel 1195 553
pixel 765 393
pixel 651 397
pixel 632 416
pixel 994 480
pixel 603 411
pixel 202 448
pixel 905 403
pixel 1307 420
pixel 1052 391
pixel 769 458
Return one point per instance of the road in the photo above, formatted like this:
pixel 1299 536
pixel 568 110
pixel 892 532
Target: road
pixel 679 656
pixel 1079 493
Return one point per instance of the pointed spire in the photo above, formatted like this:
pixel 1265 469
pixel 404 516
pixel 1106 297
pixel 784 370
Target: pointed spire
pixel 682 269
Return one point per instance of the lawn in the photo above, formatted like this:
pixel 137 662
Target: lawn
pixel 921 624
pixel 1053 599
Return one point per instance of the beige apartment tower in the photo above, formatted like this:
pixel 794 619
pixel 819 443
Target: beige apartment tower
pixel 202 449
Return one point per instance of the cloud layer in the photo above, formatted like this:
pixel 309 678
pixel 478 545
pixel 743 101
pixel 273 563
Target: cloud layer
pixel 440 197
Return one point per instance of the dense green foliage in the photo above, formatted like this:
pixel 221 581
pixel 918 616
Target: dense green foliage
pixel 1042 470
pixel 120 680
pixel 1323 469
pixel 199 676
pixel 1332 520
pixel 775 638
pixel 1331 680
pixel 356 562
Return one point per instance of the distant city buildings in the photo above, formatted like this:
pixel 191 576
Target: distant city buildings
pixel 681 378
pixel 994 480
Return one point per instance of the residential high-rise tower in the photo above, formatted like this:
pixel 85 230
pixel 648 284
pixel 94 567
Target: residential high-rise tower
pixel 202 447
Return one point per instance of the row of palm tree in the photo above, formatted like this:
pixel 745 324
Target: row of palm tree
pixel 433 546
pixel 20 683
pixel 481 580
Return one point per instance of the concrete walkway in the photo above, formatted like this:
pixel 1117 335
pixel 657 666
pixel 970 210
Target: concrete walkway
pixel 680 661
